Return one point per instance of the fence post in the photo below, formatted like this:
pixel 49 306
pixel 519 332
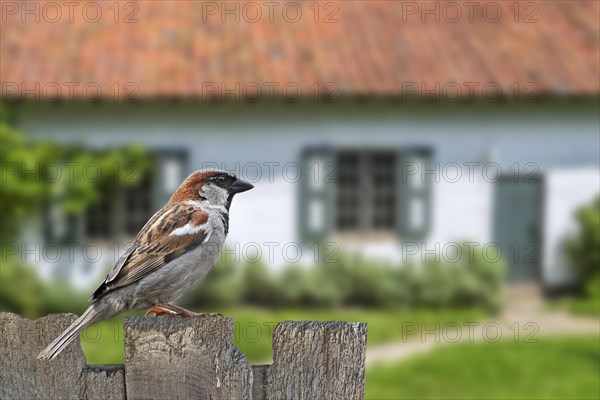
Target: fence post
pixel 318 360
pixel 170 358
pixel 184 358
pixel 22 376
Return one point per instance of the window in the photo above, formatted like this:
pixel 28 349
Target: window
pixel 124 211
pixel 121 212
pixel 367 191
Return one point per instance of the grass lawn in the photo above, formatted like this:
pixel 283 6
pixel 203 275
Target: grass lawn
pixel 557 368
pixel 103 342
pixel 589 306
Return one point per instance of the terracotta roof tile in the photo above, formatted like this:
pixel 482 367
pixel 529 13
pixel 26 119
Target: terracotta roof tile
pixel 375 48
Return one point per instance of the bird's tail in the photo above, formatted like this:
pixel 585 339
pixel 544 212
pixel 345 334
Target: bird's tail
pixel 96 312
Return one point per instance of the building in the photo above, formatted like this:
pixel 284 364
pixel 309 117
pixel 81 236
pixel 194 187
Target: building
pixel 375 130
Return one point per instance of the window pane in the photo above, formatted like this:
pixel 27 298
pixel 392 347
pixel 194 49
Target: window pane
pixel 348 189
pixel 316 217
pixel 137 206
pixel 417 213
pixel 100 216
pixel 173 175
pixel 382 174
pixel 316 171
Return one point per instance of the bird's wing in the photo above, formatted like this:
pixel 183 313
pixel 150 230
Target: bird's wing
pixel 171 232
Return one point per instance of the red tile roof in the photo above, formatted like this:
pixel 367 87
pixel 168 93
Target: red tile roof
pixel 349 48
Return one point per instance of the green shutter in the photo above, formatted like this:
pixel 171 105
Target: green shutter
pixel 316 194
pixel 59 226
pixel 169 170
pixel 413 199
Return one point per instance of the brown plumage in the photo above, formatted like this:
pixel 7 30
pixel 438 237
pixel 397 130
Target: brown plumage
pixel 192 185
pixel 153 247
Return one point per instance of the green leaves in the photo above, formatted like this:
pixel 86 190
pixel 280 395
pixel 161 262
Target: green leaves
pixel 71 178
pixel 584 247
pixel 356 281
pixel 62 179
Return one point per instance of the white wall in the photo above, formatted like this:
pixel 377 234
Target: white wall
pixel 243 134
pixel 565 191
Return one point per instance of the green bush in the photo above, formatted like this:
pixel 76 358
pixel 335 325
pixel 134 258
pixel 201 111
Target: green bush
pixel 352 280
pixel 489 278
pixel 260 286
pixel 23 292
pixel 583 251
pixel 589 303
pixel 583 248
pixel 296 287
pixel 471 281
pixel 222 287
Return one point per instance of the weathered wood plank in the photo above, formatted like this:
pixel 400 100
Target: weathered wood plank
pixel 103 382
pixel 178 358
pixel 184 358
pixel 318 360
pixel 22 376
pixel 260 382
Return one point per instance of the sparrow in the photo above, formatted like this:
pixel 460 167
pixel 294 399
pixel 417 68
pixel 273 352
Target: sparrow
pixel 171 254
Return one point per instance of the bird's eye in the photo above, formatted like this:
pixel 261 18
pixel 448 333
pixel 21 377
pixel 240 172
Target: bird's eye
pixel 220 179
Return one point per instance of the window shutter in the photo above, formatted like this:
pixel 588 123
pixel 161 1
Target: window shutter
pixel 413 200
pixel 316 194
pixel 60 226
pixel 171 170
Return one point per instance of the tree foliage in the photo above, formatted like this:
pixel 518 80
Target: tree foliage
pixel 584 247
pixel 69 179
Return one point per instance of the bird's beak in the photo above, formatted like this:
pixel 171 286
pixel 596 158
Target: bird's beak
pixel 240 186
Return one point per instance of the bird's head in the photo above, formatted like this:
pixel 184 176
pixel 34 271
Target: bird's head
pixel 212 186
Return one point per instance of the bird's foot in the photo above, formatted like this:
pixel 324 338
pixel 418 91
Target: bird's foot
pixel 169 310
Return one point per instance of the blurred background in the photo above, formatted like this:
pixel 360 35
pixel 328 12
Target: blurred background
pixel 431 168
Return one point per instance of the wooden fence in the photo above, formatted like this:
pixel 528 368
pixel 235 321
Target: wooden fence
pixel 181 358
